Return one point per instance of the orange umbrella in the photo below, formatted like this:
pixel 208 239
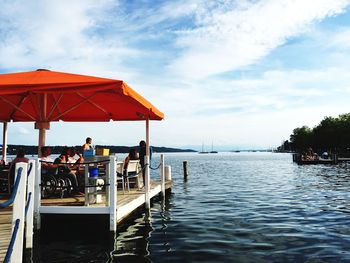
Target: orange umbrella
pixel 43 96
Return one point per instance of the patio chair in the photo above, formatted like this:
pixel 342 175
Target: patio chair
pixel 5 180
pixel 132 172
pixel 120 176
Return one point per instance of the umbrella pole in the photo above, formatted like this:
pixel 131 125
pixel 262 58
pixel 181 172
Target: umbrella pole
pixel 4 141
pixel 42 127
pixel 41 143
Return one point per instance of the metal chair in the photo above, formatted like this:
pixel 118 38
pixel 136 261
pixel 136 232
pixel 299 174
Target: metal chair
pixel 132 171
pixel 120 176
pixel 5 180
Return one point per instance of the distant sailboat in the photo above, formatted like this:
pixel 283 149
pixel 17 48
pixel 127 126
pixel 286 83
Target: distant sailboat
pixel 212 149
pixel 203 149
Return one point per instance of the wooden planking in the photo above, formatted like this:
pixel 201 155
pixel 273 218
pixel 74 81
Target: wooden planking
pixel 122 198
pixel 127 202
pixel 5 231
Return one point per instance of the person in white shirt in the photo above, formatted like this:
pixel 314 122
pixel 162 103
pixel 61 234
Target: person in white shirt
pixel 47 164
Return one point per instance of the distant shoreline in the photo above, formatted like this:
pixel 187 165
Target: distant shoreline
pixel 33 149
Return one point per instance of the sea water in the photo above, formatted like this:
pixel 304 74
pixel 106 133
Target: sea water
pixel 234 207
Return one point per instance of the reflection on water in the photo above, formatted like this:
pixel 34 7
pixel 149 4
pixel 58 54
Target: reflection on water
pixel 257 207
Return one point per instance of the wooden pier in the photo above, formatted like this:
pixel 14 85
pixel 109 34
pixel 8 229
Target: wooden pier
pixel 127 203
pixel 5 230
pixel 106 199
pixel 334 159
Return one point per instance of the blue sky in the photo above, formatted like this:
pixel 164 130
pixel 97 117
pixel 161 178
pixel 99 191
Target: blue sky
pixel 240 74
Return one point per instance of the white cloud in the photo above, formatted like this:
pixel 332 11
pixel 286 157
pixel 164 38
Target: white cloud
pixel 197 39
pixel 239 35
pixel 60 36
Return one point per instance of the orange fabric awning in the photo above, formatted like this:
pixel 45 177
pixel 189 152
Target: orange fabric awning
pixel 45 96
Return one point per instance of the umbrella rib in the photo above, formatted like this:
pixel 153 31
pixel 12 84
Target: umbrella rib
pixel 18 105
pixel 55 105
pixel 33 104
pixel 94 104
pixel 73 108
pixel 19 109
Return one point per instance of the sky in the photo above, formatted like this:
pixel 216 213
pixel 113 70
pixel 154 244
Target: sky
pixel 238 74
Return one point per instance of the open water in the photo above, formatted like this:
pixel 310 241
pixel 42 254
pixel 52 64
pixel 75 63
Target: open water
pixel 234 207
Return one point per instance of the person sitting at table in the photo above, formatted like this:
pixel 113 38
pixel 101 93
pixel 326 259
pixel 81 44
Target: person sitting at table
pixel 47 165
pixel 70 155
pixel 64 170
pixel 20 158
pixel 133 155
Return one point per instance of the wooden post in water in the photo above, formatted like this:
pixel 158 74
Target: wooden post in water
pixel 335 158
pixel 185 169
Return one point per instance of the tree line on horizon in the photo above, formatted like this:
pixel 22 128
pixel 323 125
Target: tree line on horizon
pixel 332 134
pixel 32 149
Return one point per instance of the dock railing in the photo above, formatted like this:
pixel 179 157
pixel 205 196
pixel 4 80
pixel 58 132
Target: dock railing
pixel 92 185
pixel 22 211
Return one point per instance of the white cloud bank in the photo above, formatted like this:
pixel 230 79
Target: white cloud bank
pixel 194 41
pixel 240 33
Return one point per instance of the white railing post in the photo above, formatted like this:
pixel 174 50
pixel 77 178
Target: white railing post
pixel 147 179
pixel 37 194
pixel 107 181
pixel 162 174
pixel 87 189
pixel 18 213
pixel 112 194
pixel 30 198
pixel 4 141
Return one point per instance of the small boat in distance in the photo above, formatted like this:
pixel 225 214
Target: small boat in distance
pixel 212 149
pixel 202 152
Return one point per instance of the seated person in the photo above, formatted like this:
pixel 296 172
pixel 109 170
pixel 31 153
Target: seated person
pixel 71 153
pixel 20 158
pixel 325 155
pixel 47 165
pixel 64 170
pixel 133 155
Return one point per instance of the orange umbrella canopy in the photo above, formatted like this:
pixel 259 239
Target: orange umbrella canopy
pixel 45 96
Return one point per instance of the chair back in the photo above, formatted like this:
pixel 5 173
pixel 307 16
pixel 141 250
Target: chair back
pixel 120 167
pixel 133 166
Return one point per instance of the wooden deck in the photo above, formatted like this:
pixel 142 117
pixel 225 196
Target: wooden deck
pixel 127 202
pixel 5 231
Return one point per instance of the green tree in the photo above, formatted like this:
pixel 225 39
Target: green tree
pixel 301 138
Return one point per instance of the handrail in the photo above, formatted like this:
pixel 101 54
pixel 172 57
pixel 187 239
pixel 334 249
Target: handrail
pixel 28 202
pixel 101 161
pixel 12 242
pixel 14 191
pixel 30 168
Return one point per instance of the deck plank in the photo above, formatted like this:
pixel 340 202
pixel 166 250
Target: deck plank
pixel 127 201
pixel 5 231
